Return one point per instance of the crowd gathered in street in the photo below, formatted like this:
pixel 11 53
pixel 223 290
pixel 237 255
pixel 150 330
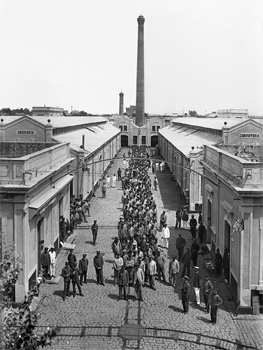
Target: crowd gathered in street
pixel 140 257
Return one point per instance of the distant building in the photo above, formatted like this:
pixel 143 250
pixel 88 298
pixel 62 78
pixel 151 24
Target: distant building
pixel 232 113
pixel 131 134
pixel 47 111
pixel 131 112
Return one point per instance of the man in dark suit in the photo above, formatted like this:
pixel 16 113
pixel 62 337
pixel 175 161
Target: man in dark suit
pixel 83 268
pixel 75 280
pixel 123 282
pixel 98 264
pixel 66 271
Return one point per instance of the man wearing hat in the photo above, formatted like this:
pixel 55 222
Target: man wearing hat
pixel 138 281
pixel 117 265
pixel 94 229
pixel 83 269
pixel 75 280
pixel 208 287
pixel 185 292
pixel 174 268
pixel 66 271
pixel 197 284
pixel 180 243
pixel 214 302
pixel 123 281
pixel 71 258
pixel 98 264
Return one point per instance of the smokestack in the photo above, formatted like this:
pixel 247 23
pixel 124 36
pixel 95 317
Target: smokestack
pixel 140 119
pixel 121 104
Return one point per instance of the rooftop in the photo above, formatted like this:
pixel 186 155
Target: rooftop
pixel 59 122
pixel 185 138
pixel 95 137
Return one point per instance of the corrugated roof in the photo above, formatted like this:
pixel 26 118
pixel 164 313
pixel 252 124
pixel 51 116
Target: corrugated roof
pixel 211 123
pixel 183 141
pixel 95 137
pixel 58 122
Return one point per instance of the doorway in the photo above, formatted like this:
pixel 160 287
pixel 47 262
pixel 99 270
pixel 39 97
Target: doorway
pixel 154 140
pixel 226 256
pixel 209 221
pixel 124 141
pixel 40 239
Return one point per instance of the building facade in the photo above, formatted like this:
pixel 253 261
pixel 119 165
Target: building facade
pixel 35 193
pixel 233 208
pixel 131 134
pixel 43 163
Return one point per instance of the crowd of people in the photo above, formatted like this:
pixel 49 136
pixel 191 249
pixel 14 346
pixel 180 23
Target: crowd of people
pixel 138 257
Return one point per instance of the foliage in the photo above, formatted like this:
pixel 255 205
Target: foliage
pixel 19 320
pixel 16 111
pixel 193 113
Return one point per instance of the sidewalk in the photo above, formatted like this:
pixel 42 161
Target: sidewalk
pixel 161 309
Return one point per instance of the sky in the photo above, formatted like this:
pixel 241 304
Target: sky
pixel 201 55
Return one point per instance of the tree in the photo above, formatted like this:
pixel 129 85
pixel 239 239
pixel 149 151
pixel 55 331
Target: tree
pixel 193 113
pixel 18 320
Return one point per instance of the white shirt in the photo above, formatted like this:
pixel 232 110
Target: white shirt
pixel 165 232
pixel 52 257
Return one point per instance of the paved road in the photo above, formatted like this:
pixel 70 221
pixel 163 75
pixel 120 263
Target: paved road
pixel 93 321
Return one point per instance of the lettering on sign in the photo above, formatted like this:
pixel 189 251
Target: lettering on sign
pixel 25 132
pixel 249 135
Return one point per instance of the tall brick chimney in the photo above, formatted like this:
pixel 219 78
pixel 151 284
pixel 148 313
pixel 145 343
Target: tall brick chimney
pixel 140 119
pixel 121 104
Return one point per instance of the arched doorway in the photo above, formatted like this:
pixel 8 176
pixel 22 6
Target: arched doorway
pixel 124 141
pixel 154 140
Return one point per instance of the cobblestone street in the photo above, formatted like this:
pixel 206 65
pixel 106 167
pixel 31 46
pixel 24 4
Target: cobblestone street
pixel 93 321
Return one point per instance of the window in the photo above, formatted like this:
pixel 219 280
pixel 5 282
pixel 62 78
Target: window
pixel 120 127
pixel 143 140
pixel 158 127
pixel 153 128
pixel 134 140
pixel 125 128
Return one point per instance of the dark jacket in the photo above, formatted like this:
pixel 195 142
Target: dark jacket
pixel 83 265
pixel 45 259
pixel 197 281
pixel 207 287
pixel 187 257
pixel 66 271
pixel 72 259
pixel 180 243
pixel 98 261
pixel 123 278
pixel 75 275
pixel 94 228
pixel 185 289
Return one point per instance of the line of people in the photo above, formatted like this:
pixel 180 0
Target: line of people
pixel 137 257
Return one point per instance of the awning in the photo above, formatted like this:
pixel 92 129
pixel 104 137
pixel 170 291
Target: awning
pixel 45 199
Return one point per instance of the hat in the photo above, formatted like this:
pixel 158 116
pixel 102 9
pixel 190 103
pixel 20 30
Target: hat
pixel 196 267
pixel 186 277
